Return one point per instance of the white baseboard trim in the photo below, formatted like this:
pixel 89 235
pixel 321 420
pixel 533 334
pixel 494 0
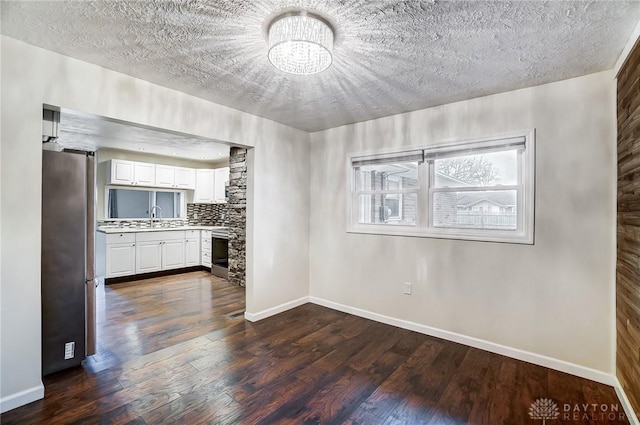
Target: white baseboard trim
pixel 541 360
pixel 20 399
pixel 626 405
pixel 254 317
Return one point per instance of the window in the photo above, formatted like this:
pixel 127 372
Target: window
pixel 476 190
pixel 136 203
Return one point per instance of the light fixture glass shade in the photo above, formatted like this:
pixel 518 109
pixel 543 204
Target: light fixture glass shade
pixel 300 44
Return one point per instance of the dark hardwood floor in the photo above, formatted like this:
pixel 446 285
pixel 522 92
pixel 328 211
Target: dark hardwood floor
pixel 173 351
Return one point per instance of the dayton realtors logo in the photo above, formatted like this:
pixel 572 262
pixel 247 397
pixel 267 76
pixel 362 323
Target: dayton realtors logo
pixel 546 409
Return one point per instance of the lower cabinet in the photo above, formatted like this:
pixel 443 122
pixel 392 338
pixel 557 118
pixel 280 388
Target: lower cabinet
pixel 173 254
pixel 120 259
pixel 206 248
pixel 156 251
pixel 126 254
pixel 192 248
pixel 120 254
pixel 148 256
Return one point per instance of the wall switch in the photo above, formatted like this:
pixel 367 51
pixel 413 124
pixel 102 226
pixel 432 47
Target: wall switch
pixel 407 288
pixel 69 348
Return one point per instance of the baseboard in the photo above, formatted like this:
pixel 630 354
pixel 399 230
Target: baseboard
pixel 20 399
pixel 254 317
pixel 541 360
pixel 626 405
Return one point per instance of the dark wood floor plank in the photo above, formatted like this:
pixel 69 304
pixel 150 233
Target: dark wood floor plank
pixel 465 385
pixel 169 353
pixel 494 405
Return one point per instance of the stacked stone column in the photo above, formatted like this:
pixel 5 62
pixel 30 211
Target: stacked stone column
pixel 237 215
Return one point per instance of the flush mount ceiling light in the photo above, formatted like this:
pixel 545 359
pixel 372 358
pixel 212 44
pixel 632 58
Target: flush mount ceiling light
pixel 300 43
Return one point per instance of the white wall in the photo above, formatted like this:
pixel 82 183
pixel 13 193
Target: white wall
pixel 555 298
pixel 32 76
pixel 280 215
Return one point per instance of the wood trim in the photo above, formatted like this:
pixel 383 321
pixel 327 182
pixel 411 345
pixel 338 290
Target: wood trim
pixel 628 230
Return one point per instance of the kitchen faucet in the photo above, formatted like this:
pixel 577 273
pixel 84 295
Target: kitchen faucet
pixel 151 214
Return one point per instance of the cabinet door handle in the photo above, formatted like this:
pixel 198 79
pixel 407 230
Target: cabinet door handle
pixel 133 245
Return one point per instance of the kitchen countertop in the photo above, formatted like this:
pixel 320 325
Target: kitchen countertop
pixel 114 229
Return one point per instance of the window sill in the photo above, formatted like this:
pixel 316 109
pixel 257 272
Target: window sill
pixel 499 236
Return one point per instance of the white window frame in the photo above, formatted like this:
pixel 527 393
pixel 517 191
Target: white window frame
pixel 398 196
pixel 525 188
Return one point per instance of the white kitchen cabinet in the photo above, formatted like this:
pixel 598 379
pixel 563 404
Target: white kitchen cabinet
pixel 173 254
pixel 124 172
pixel 220 179
pixel 148 256
pixel 165 176
pixel 120 254
pixel 144 174
pixel 120 172
pixel 192 248
pixel 204 187
pixel 185 178
pixel 206 248
pixel 159 250
pixel 130 253
pixel 120 259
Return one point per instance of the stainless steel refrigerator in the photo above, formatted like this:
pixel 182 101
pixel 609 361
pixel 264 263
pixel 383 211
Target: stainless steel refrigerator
pixel 68 263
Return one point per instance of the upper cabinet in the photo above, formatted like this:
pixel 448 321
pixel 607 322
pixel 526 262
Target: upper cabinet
pixel 204 187
pixel 165 176
pixel 221 181
pixel 209 184
pixel 185 178
pixel 120 171
pixel 123 172
pixel 144 174
pixel 175 177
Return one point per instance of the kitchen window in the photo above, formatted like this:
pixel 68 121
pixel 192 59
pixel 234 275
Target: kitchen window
pixel 476 190
pixel 137 203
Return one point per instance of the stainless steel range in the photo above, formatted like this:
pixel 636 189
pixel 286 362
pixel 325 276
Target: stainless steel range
pixel 220 254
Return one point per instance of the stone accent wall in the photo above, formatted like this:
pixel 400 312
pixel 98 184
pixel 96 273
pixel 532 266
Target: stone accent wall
pixel 237 215
pixel 208 214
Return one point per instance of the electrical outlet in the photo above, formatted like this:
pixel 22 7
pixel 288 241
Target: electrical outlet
pixel 408 288
pixel 69 349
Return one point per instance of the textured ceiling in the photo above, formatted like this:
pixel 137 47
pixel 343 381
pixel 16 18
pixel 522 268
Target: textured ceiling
pixel 89 133
pixel 389 56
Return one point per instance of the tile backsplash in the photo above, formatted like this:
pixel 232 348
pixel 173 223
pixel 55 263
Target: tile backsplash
pixel 142 223
pixel 207 214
